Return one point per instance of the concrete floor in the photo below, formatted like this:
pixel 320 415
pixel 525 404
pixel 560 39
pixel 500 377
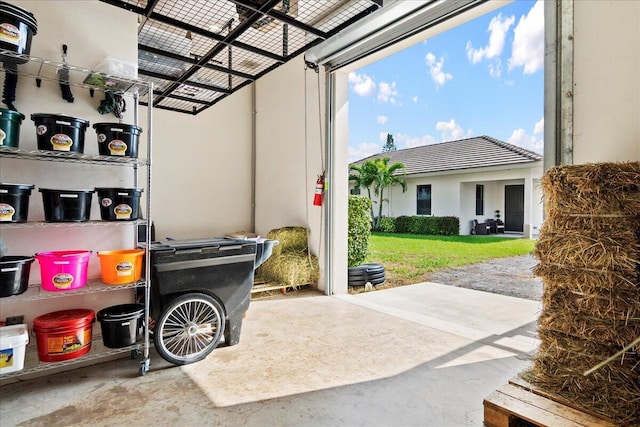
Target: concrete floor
pixel 420 355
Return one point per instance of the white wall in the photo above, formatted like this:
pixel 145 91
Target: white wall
pixel 201 173
pixel 607 87
pixel 454 195
pixel 90 36
pixel 288 155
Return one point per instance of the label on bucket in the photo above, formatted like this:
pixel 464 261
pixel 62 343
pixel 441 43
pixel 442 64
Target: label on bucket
pixel 123 211
pixel 62 281
pixel 6 212
pixel 61 142
pixel 41 129
pixel 9 33
pixel 124 268
pixel 6 358
pixel 2 137
pixel 117 147
pixel 70 342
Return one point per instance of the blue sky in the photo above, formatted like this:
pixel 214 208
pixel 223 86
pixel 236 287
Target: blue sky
pixel 482 78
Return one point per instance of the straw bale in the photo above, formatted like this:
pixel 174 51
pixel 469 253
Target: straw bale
pixel 613 390
pixel 586 280
pixel 291 269
pixel 599 304
pixel 292 240
pixel 594 189
pixel 593 250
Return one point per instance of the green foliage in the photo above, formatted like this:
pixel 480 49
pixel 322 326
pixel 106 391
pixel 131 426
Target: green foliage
pixel 377 174
pixel 359 229
pixel 403 224
pixel 387 224
pixel 390 144
pixel 425 225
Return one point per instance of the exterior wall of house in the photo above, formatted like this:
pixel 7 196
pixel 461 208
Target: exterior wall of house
pixel 453 194
pixel 607 89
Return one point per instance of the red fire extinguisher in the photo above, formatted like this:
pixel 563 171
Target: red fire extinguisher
pixel 317 197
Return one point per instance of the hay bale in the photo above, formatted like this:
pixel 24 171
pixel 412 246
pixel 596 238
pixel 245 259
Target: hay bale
pixel 589 260
pixel 613 391
pixel 593 189
pixel 291 269
pixel 292 240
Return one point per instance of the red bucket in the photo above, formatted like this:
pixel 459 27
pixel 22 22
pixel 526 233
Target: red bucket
pixel 63 270
pixel 64 335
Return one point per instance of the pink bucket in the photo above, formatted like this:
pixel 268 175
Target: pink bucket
pixel 63 270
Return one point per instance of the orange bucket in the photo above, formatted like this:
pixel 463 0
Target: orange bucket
pixel 121 266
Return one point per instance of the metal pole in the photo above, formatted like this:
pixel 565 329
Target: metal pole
pixel 328 206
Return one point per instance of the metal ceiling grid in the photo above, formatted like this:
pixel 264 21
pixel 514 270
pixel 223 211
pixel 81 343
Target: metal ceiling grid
pixel 197 52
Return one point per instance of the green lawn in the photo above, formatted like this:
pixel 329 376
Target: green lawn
pixel 408 258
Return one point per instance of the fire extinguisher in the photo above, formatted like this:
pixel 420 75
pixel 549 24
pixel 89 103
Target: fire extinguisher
pixel 317 197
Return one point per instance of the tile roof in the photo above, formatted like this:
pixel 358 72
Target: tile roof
pixel 477 152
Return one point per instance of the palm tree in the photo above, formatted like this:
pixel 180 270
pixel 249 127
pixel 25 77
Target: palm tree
pixel 377 173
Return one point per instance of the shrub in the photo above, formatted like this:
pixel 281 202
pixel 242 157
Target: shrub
pixel 403 224
pixel 387 224
pixel 359 229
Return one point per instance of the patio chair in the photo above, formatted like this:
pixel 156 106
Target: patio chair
pixel 493 225
pixel 481 228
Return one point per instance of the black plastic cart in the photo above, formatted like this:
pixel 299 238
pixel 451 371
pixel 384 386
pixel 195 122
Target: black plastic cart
pixel 200 290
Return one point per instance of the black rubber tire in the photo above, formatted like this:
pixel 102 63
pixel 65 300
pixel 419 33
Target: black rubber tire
pixel 375 276
pixel 360 282
pixel 373 268
pixel 377 282
pixel 362 276
pixel 189 328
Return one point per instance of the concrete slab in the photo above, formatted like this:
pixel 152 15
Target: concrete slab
pixel 420 355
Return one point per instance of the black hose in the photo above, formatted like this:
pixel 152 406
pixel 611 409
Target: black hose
pixel 10 84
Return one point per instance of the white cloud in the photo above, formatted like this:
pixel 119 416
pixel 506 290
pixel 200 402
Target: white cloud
pixel 528 41
pixel 414 99
pixel 539 127
pixel 452 131
pixel 382 119
pixel 520 138
pixel 362 84
pixel 387 93
pixel 498 28
pixel 407 141
pixel 435 69
pixel 363 150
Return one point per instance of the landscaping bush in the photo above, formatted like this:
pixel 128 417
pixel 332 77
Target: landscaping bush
pixel 425 225
pixel 403 224
pixel 387 224
pixel 359 229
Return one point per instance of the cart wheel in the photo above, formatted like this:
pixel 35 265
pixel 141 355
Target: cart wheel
pixel 189 328
pixel 144 367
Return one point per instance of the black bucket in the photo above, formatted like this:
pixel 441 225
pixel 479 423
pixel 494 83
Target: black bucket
pixel 17 27
pixel 14 275
pixel 119 204
pixel 14 202
pixel 57 132
pixel 115 139
pixel 66 205
pixel 10 122
pixel 121 325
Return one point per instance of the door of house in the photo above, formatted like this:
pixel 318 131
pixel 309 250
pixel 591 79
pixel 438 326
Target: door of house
pixel 514 208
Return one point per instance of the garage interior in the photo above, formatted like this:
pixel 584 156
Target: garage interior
pixel 238 87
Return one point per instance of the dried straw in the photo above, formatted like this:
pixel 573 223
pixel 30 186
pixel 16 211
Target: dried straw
pixel 290 269
pixel 292 240
pixel 589 260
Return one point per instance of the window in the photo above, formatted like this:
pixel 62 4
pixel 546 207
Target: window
pixel 355 191
pixel 479 199
pixel 424 199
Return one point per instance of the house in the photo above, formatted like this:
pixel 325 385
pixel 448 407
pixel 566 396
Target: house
pixel 471 179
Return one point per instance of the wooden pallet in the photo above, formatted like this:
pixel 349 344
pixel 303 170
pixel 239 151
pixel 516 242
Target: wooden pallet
pixel 259 287
pixel 521 403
